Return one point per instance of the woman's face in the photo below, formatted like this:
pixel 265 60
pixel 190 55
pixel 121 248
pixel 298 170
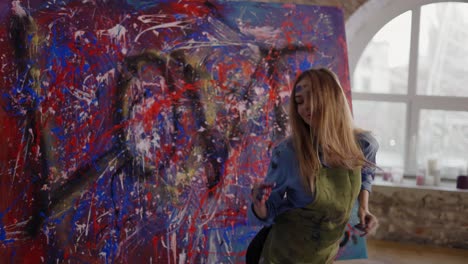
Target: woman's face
pixel 303 100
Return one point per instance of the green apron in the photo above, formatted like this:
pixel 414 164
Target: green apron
pixel 312 234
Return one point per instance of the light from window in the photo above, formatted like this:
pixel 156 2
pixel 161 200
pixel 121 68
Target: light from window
pixel 387 122
pixel 443 136
pixel 436 101
pixel 366 84
pixel 443 49
pixel 389 53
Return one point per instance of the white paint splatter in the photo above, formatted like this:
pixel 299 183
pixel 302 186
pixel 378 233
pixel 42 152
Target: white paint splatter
pixel 175 24
pixel 106 77
pixel 17 9
pixel 174 246
pixel 89 217
pixel 157 18
pixel 258 90
pixel 182 257
pixel 163 244
pixel 47 234
pixel 121 181
pixel 283 94
pixel 192 44
pixel 143 145
pixel 78 34
pixel 118 33
pixel 266 34
pixel 80 227
pixel 103 255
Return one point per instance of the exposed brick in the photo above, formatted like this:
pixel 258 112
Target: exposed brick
pixel 422 216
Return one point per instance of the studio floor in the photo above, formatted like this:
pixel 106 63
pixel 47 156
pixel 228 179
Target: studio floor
pixel 385 252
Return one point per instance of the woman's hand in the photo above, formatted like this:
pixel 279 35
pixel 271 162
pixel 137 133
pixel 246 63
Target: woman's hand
pixel 260 194
pixel 368 222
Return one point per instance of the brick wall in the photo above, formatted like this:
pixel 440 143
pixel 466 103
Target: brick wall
pixel 423 216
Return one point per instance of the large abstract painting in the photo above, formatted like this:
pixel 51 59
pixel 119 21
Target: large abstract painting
pixel 133 130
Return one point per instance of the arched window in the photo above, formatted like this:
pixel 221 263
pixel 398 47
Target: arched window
pixel 410 87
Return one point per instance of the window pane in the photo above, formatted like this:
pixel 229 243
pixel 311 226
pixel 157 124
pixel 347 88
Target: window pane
pixel 443 135
pixel 443 50
pixel 383 66
pixel 387 123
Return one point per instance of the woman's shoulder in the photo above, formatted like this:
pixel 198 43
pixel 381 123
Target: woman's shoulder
pixel 367 141
pixel 283 156
pixel 284 145
pixel 283 149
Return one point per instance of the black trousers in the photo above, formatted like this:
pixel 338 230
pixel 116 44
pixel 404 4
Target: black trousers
pixel 254 251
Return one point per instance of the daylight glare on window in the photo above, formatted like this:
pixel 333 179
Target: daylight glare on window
pixel 443 136
pixel 415 101
pixel 443 50
pixel 383 66
pixel 388 128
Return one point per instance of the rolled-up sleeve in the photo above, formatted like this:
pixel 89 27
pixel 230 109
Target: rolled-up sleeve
pixel 369 146
pixel 276 174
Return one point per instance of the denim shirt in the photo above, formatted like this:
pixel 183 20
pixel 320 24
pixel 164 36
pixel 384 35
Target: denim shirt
pixel 289 192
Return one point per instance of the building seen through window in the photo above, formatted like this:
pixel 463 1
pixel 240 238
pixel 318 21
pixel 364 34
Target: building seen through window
pixel 418 110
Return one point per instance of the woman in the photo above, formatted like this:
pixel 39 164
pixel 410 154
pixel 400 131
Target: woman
pixel 315 176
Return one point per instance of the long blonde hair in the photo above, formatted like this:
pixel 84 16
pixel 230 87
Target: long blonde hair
pixel 331 132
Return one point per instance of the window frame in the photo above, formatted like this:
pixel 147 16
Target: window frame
pixel 414 102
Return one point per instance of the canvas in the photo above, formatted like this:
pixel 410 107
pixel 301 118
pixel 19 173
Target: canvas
pixel 132 131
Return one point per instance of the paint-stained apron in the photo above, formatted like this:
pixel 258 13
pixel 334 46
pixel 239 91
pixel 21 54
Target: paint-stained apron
pixel 312 234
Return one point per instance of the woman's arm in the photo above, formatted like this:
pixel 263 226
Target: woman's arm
pixel 369 148
pixel 268 196
pixel 368 221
